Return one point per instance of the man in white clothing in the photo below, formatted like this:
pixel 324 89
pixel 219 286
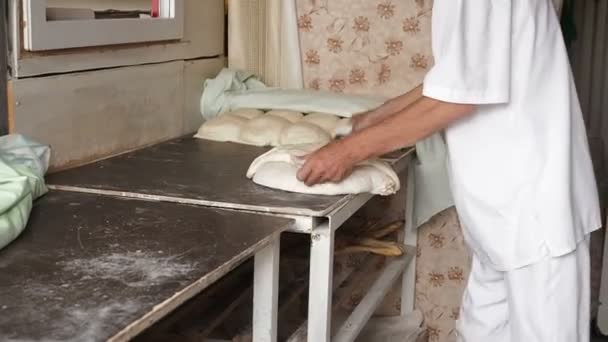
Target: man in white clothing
pixel 520 168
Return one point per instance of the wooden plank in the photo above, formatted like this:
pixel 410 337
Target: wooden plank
pixel 339 294
pixel 88 115
pixel 203 37
pixel 95 268
pixel 364 311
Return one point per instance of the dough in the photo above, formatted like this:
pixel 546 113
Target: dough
pixel 247 113
pixel 225 127
pixel 263 131
pixel 304 133
pixel 278 168
pixel 343 128
pixel 326 121
pixel 288 115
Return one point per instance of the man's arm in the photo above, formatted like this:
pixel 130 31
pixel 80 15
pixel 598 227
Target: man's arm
pixel 419 120
pixel 389 108
pixel 416 122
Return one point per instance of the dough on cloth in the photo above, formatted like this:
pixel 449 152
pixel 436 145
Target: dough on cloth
pixel 288 115
pixel 263 131
pixel 326 121
pixel 247 113
pixel 225 127
pixel 304 133
pixel 278 168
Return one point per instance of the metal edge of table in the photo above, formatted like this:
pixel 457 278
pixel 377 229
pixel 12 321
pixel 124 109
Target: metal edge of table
pixel 166 307
pixel 399 164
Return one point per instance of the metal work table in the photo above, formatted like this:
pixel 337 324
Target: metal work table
pixel 206 173
pixel 92 267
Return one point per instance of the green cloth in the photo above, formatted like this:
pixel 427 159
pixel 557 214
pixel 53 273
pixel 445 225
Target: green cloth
pixel 231 90
pixel 23 164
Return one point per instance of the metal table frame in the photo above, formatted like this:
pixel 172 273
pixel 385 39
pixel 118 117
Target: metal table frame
pixel 322 231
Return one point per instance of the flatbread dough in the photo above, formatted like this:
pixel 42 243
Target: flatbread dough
pixel 288 115
pixel 225 127
pixel 326 121
pixel 263 131
pixel 278 168
pixel 304 133
pixel 343 128
pixel 247 113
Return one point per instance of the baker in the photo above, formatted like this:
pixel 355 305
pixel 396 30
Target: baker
pixel 520 167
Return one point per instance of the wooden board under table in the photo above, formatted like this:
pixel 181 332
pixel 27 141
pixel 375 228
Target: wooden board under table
pixel 92 267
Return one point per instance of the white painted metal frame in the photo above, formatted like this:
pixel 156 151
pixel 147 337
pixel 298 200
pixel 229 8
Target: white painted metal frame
pixel 322 231
pixel 41 35
pixel 266 293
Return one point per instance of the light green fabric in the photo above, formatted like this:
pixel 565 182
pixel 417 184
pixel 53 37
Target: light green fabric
pixel 235 89
pixel 23 164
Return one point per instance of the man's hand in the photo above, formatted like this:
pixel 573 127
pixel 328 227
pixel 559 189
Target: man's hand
pixel 332 163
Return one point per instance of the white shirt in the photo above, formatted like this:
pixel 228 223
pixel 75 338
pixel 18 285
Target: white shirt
pixel 520 167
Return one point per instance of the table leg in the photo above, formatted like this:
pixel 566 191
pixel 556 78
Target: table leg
pixel 320 290
pixel 266 293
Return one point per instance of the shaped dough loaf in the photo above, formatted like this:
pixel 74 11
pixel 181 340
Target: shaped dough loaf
pixel 225 127
pixel 263 131
pixel 326 121
pixel 304 133
pixel 247 113
pixel 288 115
pixel 278 168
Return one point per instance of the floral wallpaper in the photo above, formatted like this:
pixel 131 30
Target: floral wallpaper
pixel 362 47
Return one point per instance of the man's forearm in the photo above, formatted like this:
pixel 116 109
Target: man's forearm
pixel 418 121
pixel 388 109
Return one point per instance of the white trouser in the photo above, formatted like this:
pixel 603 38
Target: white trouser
pixel 544 302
